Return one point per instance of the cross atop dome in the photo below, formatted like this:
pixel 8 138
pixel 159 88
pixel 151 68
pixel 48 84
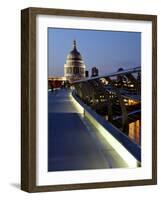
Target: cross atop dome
pixel 74 44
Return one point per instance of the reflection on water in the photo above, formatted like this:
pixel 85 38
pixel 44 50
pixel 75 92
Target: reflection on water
pixel 135 131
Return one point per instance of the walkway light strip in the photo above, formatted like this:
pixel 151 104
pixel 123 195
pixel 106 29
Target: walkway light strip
pixel 120 149
pixel 78 107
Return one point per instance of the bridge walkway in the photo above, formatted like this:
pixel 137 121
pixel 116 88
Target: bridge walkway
pixel 73 142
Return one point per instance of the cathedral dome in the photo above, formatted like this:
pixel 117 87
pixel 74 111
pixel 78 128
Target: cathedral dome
pixel 74 68
pixel 74 54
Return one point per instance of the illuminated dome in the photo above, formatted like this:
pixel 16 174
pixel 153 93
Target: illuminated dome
pixel 74 54
pixel 74 68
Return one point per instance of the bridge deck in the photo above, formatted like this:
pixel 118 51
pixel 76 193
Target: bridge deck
pixel 73 143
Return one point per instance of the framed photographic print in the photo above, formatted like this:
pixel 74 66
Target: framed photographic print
pixel 89 99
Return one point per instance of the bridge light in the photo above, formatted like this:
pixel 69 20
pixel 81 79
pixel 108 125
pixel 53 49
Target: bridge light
pixel 120 149
pixel 131 102
pixel 78 107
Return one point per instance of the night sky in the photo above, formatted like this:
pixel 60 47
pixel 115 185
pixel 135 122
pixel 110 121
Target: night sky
pixel 107 50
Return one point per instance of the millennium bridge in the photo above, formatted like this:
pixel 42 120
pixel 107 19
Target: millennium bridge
pixel 96 123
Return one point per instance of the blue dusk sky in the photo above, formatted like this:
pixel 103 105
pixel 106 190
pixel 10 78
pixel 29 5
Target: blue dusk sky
pixel 106 50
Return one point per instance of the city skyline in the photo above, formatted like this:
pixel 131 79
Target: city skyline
pixel 106 50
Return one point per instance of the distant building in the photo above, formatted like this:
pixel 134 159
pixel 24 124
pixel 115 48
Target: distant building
pixel 56 82
pixel 74 68
pixel 120 69
pixel 95 72
pixel 119 77
pixel 86 73
pixel 139 77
